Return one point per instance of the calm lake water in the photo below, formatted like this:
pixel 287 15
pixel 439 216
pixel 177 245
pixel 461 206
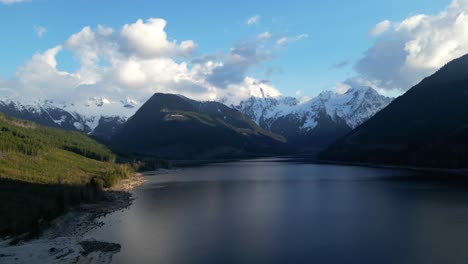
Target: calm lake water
pixel 270 211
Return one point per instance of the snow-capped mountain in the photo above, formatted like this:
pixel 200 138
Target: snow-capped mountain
pixel 95 116
pixel 308 125
pixel 319 121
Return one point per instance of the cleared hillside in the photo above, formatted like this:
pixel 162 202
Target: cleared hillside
pixel 45 171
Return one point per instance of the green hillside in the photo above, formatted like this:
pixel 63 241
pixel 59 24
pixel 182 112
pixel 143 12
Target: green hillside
pixel 36 154
pixel 45 171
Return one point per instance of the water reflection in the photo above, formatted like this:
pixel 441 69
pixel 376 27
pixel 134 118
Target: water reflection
pixel 277 212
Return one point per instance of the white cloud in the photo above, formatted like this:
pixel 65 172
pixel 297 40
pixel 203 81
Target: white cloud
pixel 416 47
pixel 131 73
pixel 149 39
pixel 341 88
pixel 265 35
pixel 302 98
pixel 40 78
pixel 249 87
pixel 9 2
pixel 40 31
pixel 282 41
pixel 48 57
pixel 137 61
pixel 286 40
pixel 381 28
pixel 253 20
pixel 105 31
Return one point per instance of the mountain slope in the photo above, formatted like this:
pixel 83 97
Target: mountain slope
pixel 96 116
pixel 37 154
pixel 307 126
pixel 172 126
pixel 44 171
pixel 319 121
pixel 427 126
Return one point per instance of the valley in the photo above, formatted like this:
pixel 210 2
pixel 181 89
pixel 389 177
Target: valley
pixel 233 132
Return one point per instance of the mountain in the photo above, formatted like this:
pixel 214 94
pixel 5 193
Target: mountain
pixel 427 126
pixel 39 154
pixel 307 126
pixel 44 171
pixel 175 127
pixel 96 116
pixel 317 122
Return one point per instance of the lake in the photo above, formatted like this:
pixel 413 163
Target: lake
pixel 277 211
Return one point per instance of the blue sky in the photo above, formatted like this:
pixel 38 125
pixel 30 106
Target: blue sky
pixel 338 31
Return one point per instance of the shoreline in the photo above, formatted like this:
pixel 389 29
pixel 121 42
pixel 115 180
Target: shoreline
pixel 456 172
pixel 64 241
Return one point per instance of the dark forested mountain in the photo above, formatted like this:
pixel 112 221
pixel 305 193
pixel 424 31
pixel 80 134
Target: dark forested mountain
pixel 318 122
pixel 172 126
pixel 107 127
pixel 427 126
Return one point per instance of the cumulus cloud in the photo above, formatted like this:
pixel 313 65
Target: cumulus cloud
pixel 138 60
pixel 381 28
pixel 416 47
pixel 149 39
pixel 253 20
pixel 40 78
pixel 40 31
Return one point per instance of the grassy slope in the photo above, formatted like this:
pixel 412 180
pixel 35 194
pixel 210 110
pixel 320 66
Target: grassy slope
pixel 45 171
pixel 37 154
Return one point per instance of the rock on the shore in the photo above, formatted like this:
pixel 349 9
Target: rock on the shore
pixel 60 250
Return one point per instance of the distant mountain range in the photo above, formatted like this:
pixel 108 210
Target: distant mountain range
pixel 427 126
pixel 318 122
pixel 95 116
pixel 306 126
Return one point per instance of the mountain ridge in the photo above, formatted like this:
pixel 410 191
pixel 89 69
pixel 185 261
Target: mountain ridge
pixel 318 121
pixel 173 126
pixel 93 115
pixel 308 126
pixel 427 126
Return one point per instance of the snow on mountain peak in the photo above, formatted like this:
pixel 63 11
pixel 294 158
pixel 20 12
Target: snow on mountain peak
pixel 352 107
pixel 84 115
pixel 129 103
pixel 98 101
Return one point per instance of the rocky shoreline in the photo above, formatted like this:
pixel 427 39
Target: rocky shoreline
pixel 64 241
